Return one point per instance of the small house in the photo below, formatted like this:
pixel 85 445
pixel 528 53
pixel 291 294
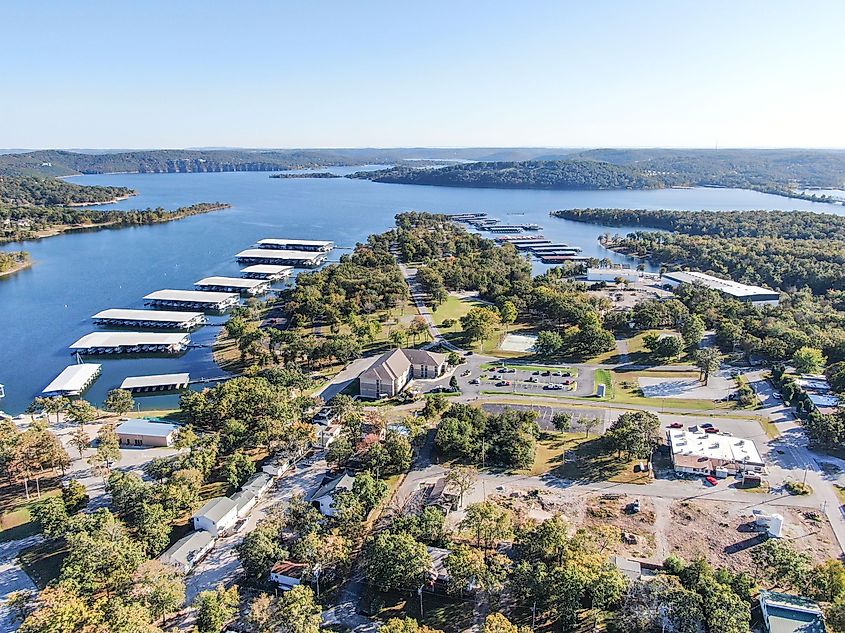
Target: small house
pixel 244 501
pixel 287 574
pixel 185 553
pixel 323 498
pixel 217 516
pixel 787 613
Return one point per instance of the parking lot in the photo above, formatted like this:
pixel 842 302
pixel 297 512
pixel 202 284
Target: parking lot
pixel 532 380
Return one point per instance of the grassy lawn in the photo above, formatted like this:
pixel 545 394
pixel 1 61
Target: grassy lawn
pixel 637 353
pixel 439 612
pixel 581 458
pixel 15 521
pixel 769 428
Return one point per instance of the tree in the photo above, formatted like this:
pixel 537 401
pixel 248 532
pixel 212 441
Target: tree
pixel 498 623
pixel 708 361
pixel 589 424
pixel 661 605
pixel 693 331
pixel 435 405
pixel 668 347
pixel 453 383
pixel 479 324
pixel 462 478
pixel 369 490
pixel 215 609
pixel 466 567
pixel 158 587
pixel 406 625
pixel 297 612
pixel 239 468
pixel 54 404
pixel 81 412
pixel 808 360
pixel 827 581
pixel 153 527
pixel 340 451
pixel 108 448
pixel 780 563
pixel 74 496
pixel 399 452
pixel 636 433
pixel 489 522
pixel 396 561
pixel 119 401
pixel 80 440
pixel 51 516
pixel 508 313
pixel 58 609
pixel 562 421
pixel 262 548
pixel 548 343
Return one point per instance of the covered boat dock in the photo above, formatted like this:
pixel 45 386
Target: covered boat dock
pixel 74 380
pixel 270 272
pixel 131 343
pixel 288 244
pixel 192 299
pixel 156 383
pixel 281 256
pixel 234 284
pixel 149 319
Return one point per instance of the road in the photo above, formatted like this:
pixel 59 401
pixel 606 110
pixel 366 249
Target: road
pixel 221 564
pixel 12 577
pixel 419 297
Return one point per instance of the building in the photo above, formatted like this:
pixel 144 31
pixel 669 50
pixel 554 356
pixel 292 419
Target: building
pixel 438 574
pixel 131 343
pixel 610 275
pixel 700 453
pixel 185 553
pixel 144 432
pixel 323 498
pixel 243 285
pixel 266 271
pixel 258 484
pixel 437 495
pixel 150 319
pixel 785 613
pixel 327 433
pixel 393 370
pixel 192 299
pixel 756 295
pixel 319 246
pixel 244 501
pixel 287 574
pixel 217 516
pixel 631 569
pixel 74 380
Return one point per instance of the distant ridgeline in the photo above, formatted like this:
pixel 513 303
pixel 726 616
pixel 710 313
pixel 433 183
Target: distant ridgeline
pixel 27 222
pixel 778 172
pixel 781 249
pixel 24 190
pixel 64 163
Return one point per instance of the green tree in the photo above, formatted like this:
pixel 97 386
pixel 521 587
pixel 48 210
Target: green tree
pixel 108 448
pixel 462 478
pixel 80 440
pixel 508 313
pixel 399 452
pixel 780 563
pixel 74 496
pixel 708 361
pixel 239 468
pixel 262 548
pixel 81 412
pixel 808 360
pixel 489 522
pixel 51 515
pixel 479 324
pixel 297 612
pixel 562 421
pixel 340 451
pixel 369 490
pixel 636 433
pixel 215 609
pixel 693 331
pixel 119 401
pixel 158 587
pixel 396 561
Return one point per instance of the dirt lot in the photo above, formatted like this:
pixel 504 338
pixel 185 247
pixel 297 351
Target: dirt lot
pixel 722 532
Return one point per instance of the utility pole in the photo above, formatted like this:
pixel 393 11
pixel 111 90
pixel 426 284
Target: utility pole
pixel 533 615
pixel 420 592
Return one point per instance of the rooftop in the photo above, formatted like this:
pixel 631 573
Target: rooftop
pixel 714 446
pixel 341 482
pixel 185 550
pixel 143 426
pixel 124 339
pixel 290 255
pixel 294 242
pixel 233 282
pixel 787 613
pixel 157 380
pixel 163 316
pixel 288 568
pixel 195 296
pixel 74 379
pixel 267 269
pixel 733 288
pixel 397 362
pixel 216 508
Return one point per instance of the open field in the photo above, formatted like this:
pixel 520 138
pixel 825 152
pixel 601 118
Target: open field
pixel 15 520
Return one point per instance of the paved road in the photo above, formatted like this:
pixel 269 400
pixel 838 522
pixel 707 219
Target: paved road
pixel 345 377
pixel 419 297
pixel 13 577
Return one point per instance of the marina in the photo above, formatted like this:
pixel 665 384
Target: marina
pixel 131 343
pixel 156 383
pixel 281 256
pixel 192 299
pixel 252 287
pixel 269 272
pixel 74 380
pixel 319 246
pixel 150 319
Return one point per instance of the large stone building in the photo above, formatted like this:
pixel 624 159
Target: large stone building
pixel 393 370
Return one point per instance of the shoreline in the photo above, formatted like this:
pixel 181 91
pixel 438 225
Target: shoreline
pixel 93 204
pixel 16 269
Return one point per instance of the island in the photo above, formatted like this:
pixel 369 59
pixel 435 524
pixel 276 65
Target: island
pixel 35 190
pixel 307 174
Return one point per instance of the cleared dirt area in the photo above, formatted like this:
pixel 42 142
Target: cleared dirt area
pixel 721 532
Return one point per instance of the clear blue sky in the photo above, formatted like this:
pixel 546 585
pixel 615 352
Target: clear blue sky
pixel 322 73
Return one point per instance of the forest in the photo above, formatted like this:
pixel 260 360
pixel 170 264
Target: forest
pixel 23 190
pixel 10 260
pixel 27 222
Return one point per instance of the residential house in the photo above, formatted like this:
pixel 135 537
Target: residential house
pixel 287 574
pixel 217 516
pixel 188 550
pixel 393 370
pixel 786 613
pixel 323 498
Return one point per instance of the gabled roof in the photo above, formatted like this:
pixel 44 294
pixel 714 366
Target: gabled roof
pixel 388 367
pixel 424 357
pixel 185 550
pixel 143 426
pixel 215 509
pixel 341 482
pixel 289 569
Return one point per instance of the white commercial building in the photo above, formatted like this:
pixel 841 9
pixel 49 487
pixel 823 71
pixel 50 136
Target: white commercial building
pixel 701 453
pixel 142 432
pixel 610 275
pixel 756 295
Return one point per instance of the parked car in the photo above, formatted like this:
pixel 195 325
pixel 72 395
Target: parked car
pixel 474 381
pixel 531 379
pixel 634 507
pixel 466 372
pixel 546 373
pixel 557 373
pixel 676 425
pixel 568 381
pixel 706 425
pixel 711 429
pixel 710 479
pixel 535 373
pixel 502 383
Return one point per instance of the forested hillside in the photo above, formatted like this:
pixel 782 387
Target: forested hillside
pixel 24 190
pixel 562 174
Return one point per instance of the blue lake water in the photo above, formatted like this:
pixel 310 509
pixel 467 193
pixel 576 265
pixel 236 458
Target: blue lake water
pixel 47 307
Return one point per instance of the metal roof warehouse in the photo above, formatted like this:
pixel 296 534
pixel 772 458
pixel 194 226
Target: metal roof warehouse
pixel 743 292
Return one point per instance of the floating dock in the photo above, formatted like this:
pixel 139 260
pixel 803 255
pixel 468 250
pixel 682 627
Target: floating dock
pixel 269 272
pixel 192 300
pixel 156 383
pixel 131 343
pixel 510 239
pixel 286 244
pixel 466 217
pixel 251 287
pixel 557 259
pixel 281 256
pixel 150 319
pixel 504 228
pixel 527 246
pixel 74 380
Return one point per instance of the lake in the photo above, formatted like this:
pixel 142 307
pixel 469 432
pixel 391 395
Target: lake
pixel 49 306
